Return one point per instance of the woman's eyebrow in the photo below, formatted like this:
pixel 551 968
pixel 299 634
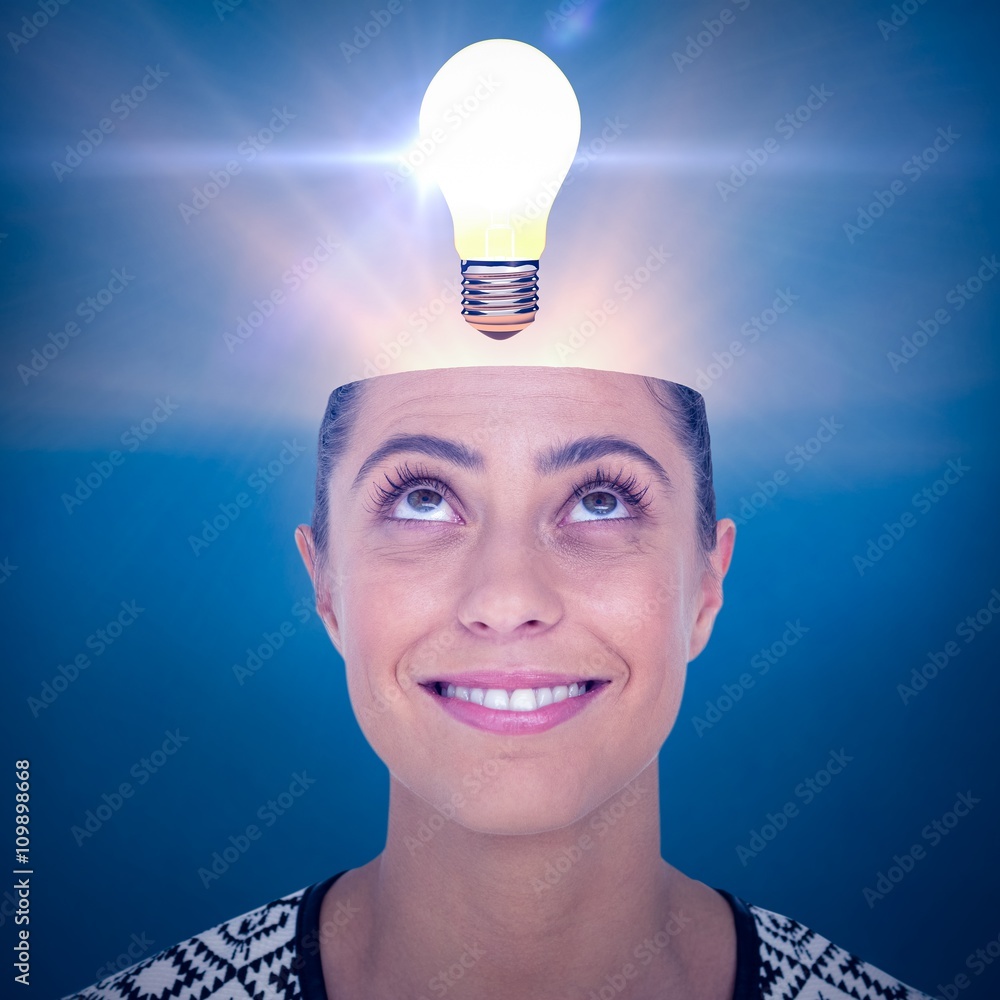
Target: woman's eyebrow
pixel 589 448
pixel 559 457
pixel 426 444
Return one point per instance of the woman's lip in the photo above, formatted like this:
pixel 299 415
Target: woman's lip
pixel 510 723
pixel 511 680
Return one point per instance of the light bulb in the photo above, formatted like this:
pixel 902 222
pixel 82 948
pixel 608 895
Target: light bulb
pixel 499 127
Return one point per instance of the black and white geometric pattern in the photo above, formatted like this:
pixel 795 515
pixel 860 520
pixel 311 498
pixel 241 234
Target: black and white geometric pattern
pixel 251 956
pixel 259 956
pixel 796 963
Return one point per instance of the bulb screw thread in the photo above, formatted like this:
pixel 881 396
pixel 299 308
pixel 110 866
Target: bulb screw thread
pixel 499 297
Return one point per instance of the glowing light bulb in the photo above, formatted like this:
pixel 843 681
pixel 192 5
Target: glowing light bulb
pixel 499 126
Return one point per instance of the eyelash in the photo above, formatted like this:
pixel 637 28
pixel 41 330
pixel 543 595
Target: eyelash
pixel 409 479
pixel 626 489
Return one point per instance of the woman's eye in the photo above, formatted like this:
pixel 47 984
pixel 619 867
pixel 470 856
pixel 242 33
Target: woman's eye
pixel 424 504
pixel 601 504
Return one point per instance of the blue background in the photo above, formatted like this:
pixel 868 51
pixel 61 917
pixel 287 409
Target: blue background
pixel 689 125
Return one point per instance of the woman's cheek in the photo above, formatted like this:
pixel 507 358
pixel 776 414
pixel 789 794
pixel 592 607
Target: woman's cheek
pixel 656 624
pixel 636 604
pixel 381 629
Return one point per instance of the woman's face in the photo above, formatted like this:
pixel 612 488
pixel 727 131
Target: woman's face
pixel 515 530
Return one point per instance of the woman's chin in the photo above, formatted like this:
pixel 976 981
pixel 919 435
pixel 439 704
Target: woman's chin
pixel 514 804
pixel 528 820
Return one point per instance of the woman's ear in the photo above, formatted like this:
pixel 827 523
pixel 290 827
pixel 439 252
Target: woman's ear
pixel 307 549
pixel 711 586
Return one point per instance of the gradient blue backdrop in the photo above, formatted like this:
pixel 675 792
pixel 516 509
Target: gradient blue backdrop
pixel 689 124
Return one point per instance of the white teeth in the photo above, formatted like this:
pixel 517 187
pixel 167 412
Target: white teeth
pixel 523 700
pixel 516 700
pixel 496 698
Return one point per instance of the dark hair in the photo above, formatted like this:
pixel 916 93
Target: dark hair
pixel 684 407
pixel 334 434
pixel 688 420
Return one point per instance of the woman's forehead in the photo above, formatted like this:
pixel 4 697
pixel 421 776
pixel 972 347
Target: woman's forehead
pixel 514 412
pixel 514 393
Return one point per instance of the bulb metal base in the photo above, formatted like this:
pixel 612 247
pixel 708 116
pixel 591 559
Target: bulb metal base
pixel 499 297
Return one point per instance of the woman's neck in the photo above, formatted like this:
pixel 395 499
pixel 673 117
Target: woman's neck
pixel 589 910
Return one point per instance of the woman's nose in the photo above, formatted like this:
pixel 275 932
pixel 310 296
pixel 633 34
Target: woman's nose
pixel 510 586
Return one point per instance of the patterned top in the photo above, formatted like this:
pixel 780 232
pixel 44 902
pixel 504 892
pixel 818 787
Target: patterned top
pixel 272 953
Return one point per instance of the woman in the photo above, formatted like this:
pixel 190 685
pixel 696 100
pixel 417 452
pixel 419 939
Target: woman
pixel 516 565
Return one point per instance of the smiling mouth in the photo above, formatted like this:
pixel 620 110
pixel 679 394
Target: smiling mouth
pixel 514 699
